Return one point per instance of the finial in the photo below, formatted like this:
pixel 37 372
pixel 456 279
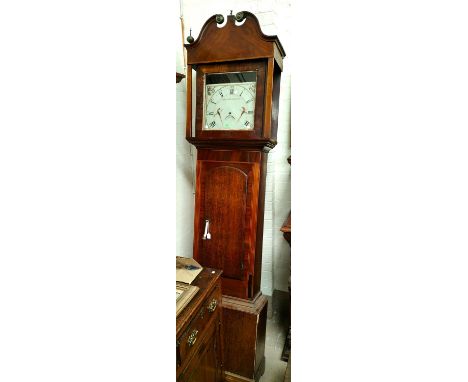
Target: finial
pixel 240 16
pixel 231 13
pixel 190 39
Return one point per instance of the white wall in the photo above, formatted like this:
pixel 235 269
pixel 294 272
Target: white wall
pixel 184 161
pixel 275 18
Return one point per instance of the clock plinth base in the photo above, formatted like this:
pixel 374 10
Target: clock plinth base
pixel 244 324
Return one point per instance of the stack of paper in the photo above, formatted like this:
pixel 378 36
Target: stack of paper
pixel 187 269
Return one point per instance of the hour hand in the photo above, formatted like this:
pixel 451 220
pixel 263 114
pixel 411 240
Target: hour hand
pixel 220 118
pixel 243 111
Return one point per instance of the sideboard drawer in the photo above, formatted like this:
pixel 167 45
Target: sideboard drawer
pixel 187 342
pixel 204 366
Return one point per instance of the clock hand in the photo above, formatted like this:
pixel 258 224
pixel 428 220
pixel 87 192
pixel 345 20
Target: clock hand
pixel 220 118
pixel 243 111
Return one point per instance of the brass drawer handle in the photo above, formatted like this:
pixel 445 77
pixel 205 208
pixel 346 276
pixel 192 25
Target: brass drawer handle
pixel 212 306
pixel 192 338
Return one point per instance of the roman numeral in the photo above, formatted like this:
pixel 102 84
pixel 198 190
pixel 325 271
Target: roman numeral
pixel 250 100
pixel 231 90
pixel 247 123
pixel 213 124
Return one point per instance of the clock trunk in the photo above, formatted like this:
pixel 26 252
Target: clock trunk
pixel 229 207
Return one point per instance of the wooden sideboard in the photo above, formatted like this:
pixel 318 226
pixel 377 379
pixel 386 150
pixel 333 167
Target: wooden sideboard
pixel 199 335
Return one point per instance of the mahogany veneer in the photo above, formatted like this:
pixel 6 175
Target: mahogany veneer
pixel 231 181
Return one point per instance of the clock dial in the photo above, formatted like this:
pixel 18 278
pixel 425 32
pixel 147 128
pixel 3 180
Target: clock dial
pixel 230 105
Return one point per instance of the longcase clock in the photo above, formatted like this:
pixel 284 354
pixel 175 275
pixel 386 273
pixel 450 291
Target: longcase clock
pixel 236 72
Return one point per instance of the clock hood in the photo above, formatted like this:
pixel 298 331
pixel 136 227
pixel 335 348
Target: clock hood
pixel 250 42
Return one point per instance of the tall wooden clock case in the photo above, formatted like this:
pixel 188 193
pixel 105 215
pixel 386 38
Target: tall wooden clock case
pixel 232 119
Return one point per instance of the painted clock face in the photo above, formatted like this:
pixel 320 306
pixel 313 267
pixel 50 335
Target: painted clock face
pixel 229 101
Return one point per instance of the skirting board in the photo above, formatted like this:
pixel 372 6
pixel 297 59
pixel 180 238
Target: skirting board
pixel 231 377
